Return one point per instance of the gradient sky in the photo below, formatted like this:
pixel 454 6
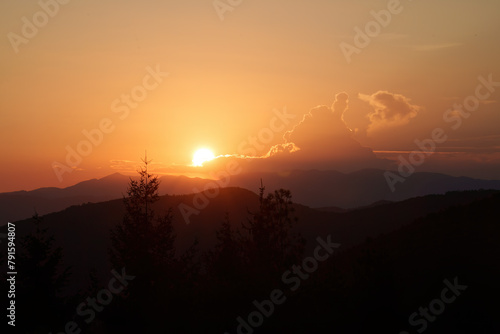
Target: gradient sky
pixel 228 78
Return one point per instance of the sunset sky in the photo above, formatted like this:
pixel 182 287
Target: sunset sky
pixel 209 76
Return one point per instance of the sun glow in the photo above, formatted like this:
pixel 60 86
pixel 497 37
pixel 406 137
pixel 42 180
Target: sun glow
pixel 202 155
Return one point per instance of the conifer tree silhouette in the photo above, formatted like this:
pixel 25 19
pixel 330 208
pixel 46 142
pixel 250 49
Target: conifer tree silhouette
pixel 271 245
pixel 143 242
pixel 38 294
pixel 225 259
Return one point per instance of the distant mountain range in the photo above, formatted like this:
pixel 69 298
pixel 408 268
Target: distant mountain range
pixel 23 204
pixel 357 189
pixel 330 190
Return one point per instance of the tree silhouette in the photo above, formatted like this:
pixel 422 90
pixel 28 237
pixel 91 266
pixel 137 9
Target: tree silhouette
pixel 245 264
pixel 42 281
pixel 224 262
pixel 271 245
pixel 143 242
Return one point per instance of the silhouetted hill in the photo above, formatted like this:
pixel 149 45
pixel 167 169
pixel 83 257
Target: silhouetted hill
pixel 83 230
pixel 379 285
pixel 336 209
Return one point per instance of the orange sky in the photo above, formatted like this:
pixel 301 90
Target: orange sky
pixel 103 65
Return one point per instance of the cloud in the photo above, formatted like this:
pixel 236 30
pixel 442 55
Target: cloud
pixel 322 127
pixel 390 110
pixel 322 140
pixel 286 148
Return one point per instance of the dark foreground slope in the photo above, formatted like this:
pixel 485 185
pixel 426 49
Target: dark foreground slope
pixel 396 283
pixel 83 231
pixel 392 259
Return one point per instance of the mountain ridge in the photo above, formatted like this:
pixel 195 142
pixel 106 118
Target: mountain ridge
pixel 313 188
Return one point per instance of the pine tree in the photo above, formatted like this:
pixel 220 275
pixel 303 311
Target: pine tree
pixel 143 243
pixel 224 262
pixel 271 245
pixel 42 279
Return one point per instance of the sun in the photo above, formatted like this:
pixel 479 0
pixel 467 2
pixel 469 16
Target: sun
pixel 202 155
